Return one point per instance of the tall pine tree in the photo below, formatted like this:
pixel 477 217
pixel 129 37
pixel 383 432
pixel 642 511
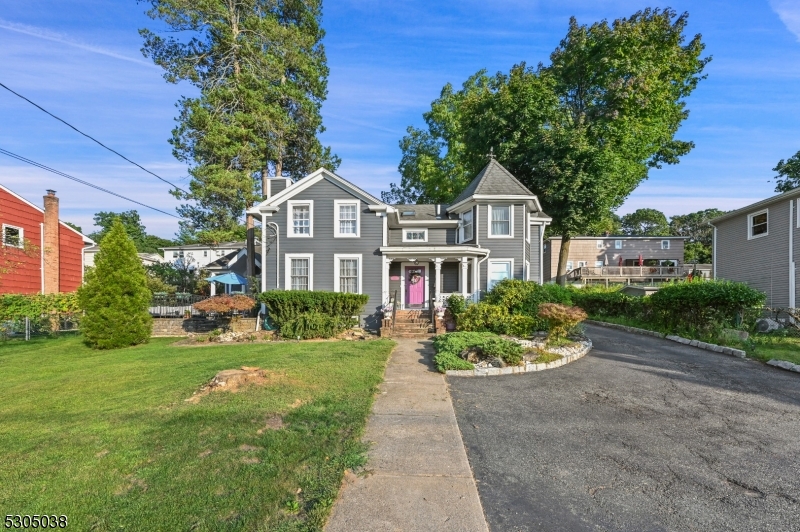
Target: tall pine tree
pixel 115 296
pixel 262 74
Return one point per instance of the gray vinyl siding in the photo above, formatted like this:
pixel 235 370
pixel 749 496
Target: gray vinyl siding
pixel 450 277
pixel 437 236
pixel 323 245
pixel 533 252
pixel 763 262
pixel 502 248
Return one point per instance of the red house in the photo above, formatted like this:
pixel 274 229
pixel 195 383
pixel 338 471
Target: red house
pixel 38 252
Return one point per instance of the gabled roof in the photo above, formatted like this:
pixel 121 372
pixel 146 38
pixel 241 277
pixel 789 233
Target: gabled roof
pixel 494 180
pixel 310 180
pixel 757 205
pixel 86 239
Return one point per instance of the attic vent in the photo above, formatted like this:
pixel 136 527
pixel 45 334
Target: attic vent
pixel 409 213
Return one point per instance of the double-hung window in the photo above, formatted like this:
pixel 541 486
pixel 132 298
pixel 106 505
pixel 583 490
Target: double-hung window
pixel 758 224
pixel 499 270
pixel 600 244
pixel 347 274
pixel 13 236
pixel 500 219
pixel 665 244
pixel 617 244
pixel 301 219
pixel 299 271
pixel 415 235
pixel 466 226
pixel 346 223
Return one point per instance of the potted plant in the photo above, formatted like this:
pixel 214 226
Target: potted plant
pixel 439 310
pixel 388 308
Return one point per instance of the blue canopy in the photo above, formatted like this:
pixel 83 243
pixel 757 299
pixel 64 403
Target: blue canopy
pixel 228 278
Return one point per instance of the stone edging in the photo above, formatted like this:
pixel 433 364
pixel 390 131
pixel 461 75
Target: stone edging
pixel 784 364
pixel 527 368
pixel 693 343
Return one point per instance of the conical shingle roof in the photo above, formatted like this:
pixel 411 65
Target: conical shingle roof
pixel 494 180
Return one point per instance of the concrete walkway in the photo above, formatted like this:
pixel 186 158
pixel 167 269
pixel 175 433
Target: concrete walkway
pixel 418 477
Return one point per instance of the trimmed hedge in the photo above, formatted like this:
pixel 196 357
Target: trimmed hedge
pixel 315 313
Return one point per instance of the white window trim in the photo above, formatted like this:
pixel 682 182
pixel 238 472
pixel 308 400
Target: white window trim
pixel 336 213
pixel 797 209
pixel 750 217
pixel 21 230
pixel 601 244
pixel 336 259
pixel 667 242
pixel 583 263
pixel 415 230
pixel 510 223
pixel 489 268
pixel 289 218
pixel 617 244
pixel 287 280
pixel 570 266
pixel 598 264
pixel 461 226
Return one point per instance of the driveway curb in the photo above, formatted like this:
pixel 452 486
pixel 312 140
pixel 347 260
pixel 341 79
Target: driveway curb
pixel 673 338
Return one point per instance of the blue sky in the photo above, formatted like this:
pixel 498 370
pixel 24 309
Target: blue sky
pixel 80 59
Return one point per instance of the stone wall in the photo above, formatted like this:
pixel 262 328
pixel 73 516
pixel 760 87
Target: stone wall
pixel 182 327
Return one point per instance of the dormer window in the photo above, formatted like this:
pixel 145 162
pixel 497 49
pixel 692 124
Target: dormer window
pixel 500 219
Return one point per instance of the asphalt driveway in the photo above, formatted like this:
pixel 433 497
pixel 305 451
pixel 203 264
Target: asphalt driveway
pixel 641 434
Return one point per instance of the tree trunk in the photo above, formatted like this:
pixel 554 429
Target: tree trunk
pixel 563 256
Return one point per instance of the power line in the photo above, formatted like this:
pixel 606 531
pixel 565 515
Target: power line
pixel 81 181
pixel 91 137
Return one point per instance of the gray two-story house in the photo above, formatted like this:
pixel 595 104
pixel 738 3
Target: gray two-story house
pixel 325 233
pixel 759 245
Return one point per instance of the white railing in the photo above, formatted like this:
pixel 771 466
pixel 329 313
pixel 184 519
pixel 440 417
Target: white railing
pixel 629 271
pixel 473 297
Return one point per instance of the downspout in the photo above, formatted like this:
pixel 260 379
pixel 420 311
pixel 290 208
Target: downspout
pixel 488 252
pixel 264 251
pixel 714 253
pixel 526 234
pixel 41 253
pixel 791 255
pixel 277 254
pixel 541 252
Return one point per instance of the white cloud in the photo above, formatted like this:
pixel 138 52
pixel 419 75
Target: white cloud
pixel 789 12
pixel 44 33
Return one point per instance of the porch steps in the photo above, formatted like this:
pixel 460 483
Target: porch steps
pixel 408 324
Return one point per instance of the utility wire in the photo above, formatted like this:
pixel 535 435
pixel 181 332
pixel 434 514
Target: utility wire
pixel 81 181
pixel 90 137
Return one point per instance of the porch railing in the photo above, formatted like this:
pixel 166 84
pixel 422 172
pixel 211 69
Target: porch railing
pixel 472 297
pixel 603 272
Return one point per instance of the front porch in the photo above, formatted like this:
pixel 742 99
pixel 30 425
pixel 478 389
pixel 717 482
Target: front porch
pixel 420 281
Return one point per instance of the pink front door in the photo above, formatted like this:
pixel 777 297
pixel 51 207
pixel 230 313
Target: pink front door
pixel 415 285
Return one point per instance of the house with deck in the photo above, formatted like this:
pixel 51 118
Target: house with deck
pixel 325 233
pixel 758 245
pixel 620 259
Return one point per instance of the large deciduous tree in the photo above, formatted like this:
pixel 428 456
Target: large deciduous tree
pixel 134 228
pixel 695 226
pixel 262 74
pixel 645 222
pixel 581 133
pixel 788 177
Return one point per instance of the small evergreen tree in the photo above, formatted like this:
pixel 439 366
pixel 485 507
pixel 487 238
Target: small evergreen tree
pixel 115 297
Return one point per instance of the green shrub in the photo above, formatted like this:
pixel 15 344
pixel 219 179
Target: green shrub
pixel 483 317
pixel 598 301
pixel 315 325
pixel 521 326
pixel 561 319
pixel 698 306
pixel 44 311
pixel 288 305
pixel 524 297
pixel 115 296
pixel 449 346
pixel 456 304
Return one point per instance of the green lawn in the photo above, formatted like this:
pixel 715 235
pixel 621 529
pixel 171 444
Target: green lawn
pixel 106 438
pixel 778 348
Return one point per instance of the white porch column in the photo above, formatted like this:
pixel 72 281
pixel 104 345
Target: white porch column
pixel 476 276
pixel 438 269
pixel 213 288
pixel 464 266
pixel 385 279
pixel 264 252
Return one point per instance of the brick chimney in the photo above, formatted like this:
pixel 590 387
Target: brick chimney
pixel 51 249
